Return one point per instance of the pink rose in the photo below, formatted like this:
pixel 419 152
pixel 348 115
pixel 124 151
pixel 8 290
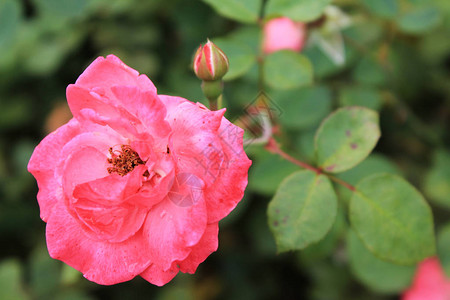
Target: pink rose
pixel 429 282
pixel 283 33
pixel 136 183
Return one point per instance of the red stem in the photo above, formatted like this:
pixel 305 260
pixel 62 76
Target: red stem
pixel 273 147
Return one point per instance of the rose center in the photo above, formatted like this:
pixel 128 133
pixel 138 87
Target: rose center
pixel 123 161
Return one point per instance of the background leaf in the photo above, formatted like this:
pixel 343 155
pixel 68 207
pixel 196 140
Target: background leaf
pixel 443 248
pixel 286 69
pixel 303 108
pixel 302 210
pixel 383 8
pixel 240 56
pixel 360 96
pixel 437 180
pixel 379 275
pixel 392 219
pixel 323 249
pixel 9 22
pixel 246 11
pixel 10 281
pixel 373 164
pixel 419 20
pixel 266 174
pixel 345 138
pixel 62 9
pixel 298 10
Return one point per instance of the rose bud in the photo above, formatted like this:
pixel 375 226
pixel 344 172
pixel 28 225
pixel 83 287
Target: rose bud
pixel 210 63
pixel 283 33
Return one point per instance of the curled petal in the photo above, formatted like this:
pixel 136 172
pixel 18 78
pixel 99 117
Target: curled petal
pixel 100 261
pixel 207 245
pixel 86 164
pixel 110 71
pixel 44 162
pixel 195 139
pixel 146 106
pixel 172 229
pixel 158 276
pixel 230 184
pixel 90 107
pixel 103 209
pixel 158 184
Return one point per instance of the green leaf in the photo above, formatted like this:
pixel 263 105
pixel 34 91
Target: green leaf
pixel 246 11
pixel 322 64
pixel 369 72
pixel 420 20
pixel 345 138
pixel 443 248
pixel 325 247
pixel 45 273
pixel 367 33
pixel 303 108
pixel 250 35
pixel 304 145
pixel 392 219
pixel 437 180
pixel 62 9
pixel 379 275
pixel 302 210
pixel 298 10
pixel 265 175
pixel 9 22
pixel 70 275
pixel 68 294
pixel 287 70
pixel 240 56
pixel 375 163
pixel 383 8
pixel 360 96
pixel 329 280
pixel 10 281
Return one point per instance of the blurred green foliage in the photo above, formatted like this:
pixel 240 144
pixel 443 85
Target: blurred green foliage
pixel 397 61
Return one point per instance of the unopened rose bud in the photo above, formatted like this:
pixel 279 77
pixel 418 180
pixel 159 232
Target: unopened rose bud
pixel 210 63
pixel 283 33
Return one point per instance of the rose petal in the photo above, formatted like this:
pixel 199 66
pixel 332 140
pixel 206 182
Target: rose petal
pixel 102 262
pixel 207 245
pixel 429 282
pixel 146 106
pixel 111 71
pixel 104 210
pixel 229 187
pixel 158 184
pixel 43 163
pixel 172 229
pixel 88 106
pixel 111 190
pixel 101 138
pixel 159 277
pixel 195 141
pixel 84 165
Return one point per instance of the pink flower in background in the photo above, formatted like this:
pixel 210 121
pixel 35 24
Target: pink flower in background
pixel 283 33
pixel 136 183
pixel 429 282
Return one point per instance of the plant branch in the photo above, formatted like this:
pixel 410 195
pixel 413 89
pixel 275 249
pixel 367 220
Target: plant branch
pixel 273 147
